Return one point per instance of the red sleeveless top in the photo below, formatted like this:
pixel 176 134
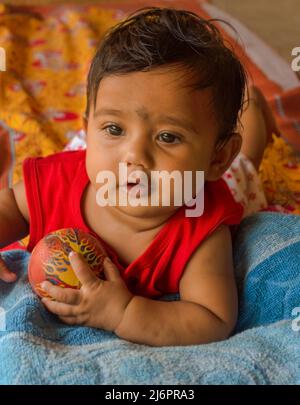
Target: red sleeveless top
pixel 54 187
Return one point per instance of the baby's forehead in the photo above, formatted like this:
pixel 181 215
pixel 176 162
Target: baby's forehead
pixel 171 77
pixel 153 92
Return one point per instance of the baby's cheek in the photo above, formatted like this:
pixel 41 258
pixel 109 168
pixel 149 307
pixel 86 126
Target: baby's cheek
pixel 92 163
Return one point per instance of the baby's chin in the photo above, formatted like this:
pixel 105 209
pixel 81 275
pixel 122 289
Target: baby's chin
pixel 147 211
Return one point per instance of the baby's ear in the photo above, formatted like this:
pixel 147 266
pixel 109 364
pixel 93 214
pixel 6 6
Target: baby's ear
pixel 223 156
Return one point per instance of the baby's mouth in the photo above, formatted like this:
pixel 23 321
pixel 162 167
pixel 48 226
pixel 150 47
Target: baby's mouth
pixel 139 187
pixel 131 184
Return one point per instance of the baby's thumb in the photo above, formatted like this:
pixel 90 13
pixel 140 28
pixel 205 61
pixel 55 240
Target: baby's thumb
pixel 5 273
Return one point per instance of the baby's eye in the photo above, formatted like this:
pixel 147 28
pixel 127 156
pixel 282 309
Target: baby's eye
pixel 113 130
pixel 169 138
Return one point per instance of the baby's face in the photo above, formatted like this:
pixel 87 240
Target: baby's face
pixel 151 122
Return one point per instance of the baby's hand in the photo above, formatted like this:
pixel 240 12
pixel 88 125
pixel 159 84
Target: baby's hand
pixel 5 274
pixel 98 303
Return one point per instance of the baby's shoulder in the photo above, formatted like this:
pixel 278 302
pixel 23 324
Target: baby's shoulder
pixel 65 157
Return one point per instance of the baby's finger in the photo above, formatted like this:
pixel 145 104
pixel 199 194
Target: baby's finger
pixel 69 320
pixel 82 269
pixel 111 271
pixel 66 295
pixel 5 274
pixel 60 308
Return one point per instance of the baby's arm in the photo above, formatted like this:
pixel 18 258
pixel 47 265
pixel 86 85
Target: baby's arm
pixel 14 222
pixel 207 310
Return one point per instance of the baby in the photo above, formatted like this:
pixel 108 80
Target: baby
pixel 164 93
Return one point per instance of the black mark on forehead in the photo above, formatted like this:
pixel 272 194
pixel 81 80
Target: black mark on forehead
pixel 143 113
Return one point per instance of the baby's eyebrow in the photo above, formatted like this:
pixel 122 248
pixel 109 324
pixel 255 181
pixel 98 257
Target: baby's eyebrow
pixel 181 122
pixel 103 111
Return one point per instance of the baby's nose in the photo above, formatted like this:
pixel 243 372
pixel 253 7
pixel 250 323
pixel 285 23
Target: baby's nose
pixel 138 154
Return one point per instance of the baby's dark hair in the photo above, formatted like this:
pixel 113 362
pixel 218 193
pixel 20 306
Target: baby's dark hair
pixel 154 37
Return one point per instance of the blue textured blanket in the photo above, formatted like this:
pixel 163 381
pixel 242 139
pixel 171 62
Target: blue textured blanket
pixel 36 348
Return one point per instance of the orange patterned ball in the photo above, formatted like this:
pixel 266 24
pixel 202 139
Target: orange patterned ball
pixel 49 259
